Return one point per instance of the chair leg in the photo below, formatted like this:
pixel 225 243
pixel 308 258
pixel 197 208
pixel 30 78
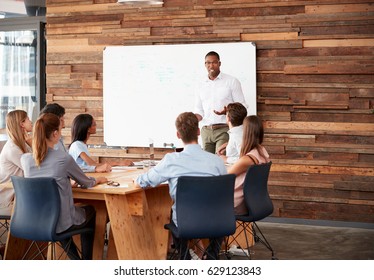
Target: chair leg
pixel 4 226
pixel 52 251
pixel 49 251
pixel 246 240
pixel 242 228
pixel 255 231
pixel 262 239
pixel 70 249
pixel 39 251
pixel 174 255
pixel 178 248
pixel 213 250
pixel 2 251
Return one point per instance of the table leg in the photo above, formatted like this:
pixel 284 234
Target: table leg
pixel 159 204
pixel 100 227
pixel 131 225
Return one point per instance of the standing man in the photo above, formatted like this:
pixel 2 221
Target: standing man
pixel 192 161
pixel 214 94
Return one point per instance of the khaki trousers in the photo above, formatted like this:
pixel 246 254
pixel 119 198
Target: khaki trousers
pixel 214 138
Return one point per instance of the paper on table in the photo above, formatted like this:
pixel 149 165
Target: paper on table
pixel 114 187
pixel 124 167
pixel 146 162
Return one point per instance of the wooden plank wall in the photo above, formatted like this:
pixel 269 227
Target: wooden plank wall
pixel 315 84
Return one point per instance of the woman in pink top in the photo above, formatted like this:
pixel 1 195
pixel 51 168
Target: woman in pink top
pixel 252 152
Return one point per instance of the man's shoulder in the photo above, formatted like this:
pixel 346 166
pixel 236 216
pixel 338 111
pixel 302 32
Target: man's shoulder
pixel 226 76
pixel 213 158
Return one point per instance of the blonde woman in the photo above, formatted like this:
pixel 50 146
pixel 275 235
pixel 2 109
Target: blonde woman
pixel 18 127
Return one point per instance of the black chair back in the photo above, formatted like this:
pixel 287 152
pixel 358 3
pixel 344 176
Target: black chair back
pixel 256 193
pixel 37 208
pixel 205 206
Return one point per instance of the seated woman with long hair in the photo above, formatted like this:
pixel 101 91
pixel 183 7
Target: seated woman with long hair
pixel 18 127
pixel 45 161
pixel 252 152
pixel 84 125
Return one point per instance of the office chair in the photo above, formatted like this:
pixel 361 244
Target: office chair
pixel 35 216
pixel 205 209
pixel 4 224
pixel 5 216
pixel 259 205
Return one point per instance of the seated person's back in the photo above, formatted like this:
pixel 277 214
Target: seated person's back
pixel 18 125
pixel 252 152
pixel 192 161
pixel 235 114
pixel 45 161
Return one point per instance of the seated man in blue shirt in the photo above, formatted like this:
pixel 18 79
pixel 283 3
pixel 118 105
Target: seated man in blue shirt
pixel 192 161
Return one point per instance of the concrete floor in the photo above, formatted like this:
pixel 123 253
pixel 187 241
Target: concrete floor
pixel 314 240
pixel 319 241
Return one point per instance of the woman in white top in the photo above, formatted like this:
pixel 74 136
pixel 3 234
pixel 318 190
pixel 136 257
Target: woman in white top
pixel 18 127
pixel 252 152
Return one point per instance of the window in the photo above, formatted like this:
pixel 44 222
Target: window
pixel 22 67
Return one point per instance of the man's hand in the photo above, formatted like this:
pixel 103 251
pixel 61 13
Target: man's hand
pixel 222 149
pixel 222 112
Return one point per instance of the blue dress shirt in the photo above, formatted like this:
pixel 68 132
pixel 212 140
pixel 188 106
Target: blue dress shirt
pixel 192 161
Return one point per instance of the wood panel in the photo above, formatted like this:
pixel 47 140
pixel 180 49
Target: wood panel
pixel 315 85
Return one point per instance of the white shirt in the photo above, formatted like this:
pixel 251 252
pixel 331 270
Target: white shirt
pixel 215 95
pixel 235 143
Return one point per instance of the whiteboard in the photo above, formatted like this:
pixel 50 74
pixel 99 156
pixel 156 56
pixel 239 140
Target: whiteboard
pixel 146 87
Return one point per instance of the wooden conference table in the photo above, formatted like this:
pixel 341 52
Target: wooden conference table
pixel 137 218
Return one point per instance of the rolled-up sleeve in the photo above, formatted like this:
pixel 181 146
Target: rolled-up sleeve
pixel 155 176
